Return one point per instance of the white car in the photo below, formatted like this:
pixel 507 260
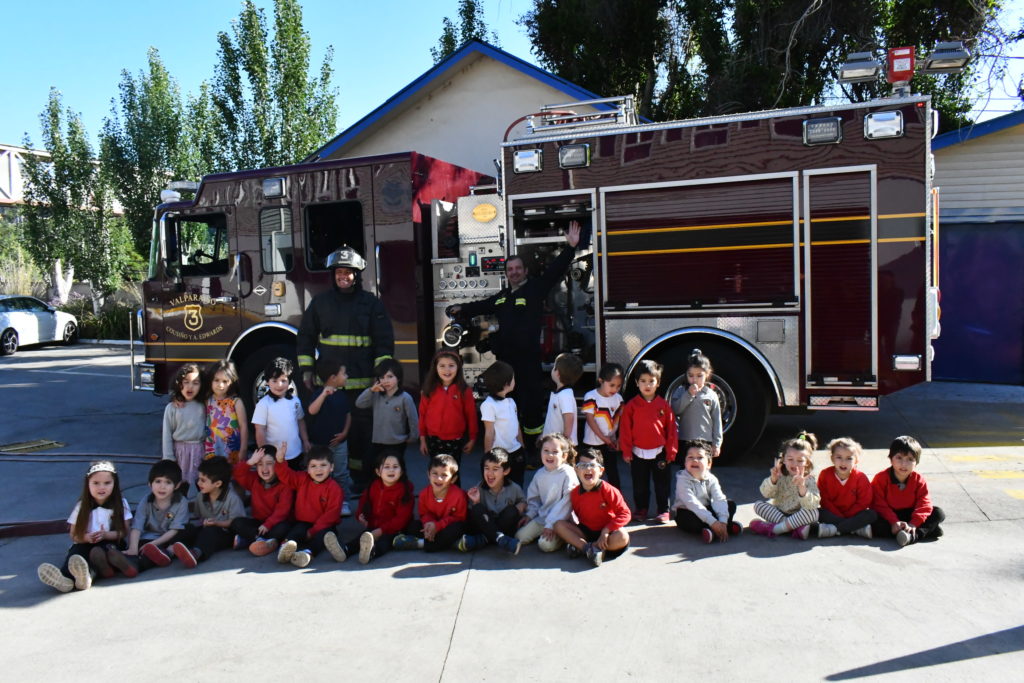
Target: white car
pixel 27 320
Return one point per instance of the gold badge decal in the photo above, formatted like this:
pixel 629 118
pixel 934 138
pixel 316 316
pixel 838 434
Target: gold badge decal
pixel 484 213
pixel 193 317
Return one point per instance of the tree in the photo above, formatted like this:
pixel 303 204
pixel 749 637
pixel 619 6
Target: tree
pixel 689 58
pixel 267 111
pixel 140 146
pixel 67 208
pixel 471 27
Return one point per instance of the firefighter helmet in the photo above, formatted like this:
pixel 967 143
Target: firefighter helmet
pixel 346 257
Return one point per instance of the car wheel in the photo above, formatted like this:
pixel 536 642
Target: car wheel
pixel 8 342
pixel 70 333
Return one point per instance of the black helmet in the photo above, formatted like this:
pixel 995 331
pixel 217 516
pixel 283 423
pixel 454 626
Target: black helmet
pixel 345 257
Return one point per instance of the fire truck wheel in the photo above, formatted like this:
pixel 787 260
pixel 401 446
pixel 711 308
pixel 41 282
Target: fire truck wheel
pixel 251 384
pixel 742 393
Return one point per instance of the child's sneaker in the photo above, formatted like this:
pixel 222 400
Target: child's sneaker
pixel 98 558
pixel 263 546
pixel 664 518
pixel 471 542
pixel 154 554
pixel 346 511
pixel 510 544
pixel 301 558
pixel 121 563
pixel 906 537
pixel 640 516
pixel 595 556
pixel 823 530
pixel 184 555
pixel 405 542
pixel 51 576
pixel 802 532
pixel 573 552
pixel 707 535
pixel 864 531
pixel 79 569
pixel 762 528
pixel 333 547
pixel 287 551
pixel 735 528
pixel 366 543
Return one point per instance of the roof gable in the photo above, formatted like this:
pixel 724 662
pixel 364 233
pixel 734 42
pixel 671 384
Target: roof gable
pixel 976 130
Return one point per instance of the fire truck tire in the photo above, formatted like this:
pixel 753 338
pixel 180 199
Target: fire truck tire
pixel 742 392
pixel 252 386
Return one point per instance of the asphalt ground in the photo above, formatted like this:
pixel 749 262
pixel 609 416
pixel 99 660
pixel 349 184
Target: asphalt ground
pixel 671 608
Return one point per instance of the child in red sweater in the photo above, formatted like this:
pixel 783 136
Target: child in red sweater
pixel 648 440
pixel 385 509
pixel 271 504
pixel 845 494
pixel 900 497
pixel 448 422
pixel 318 501
pixel 442 508
pixel 602 513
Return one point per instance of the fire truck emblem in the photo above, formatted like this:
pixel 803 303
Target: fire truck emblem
pixel 193 317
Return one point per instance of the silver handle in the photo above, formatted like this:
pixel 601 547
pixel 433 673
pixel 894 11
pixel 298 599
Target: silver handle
pixel 376 267
pixel 223 299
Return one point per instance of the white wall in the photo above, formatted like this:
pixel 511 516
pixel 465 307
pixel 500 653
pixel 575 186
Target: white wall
pixel 986 172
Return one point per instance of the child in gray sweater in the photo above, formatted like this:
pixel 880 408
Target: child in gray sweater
pixel 395 421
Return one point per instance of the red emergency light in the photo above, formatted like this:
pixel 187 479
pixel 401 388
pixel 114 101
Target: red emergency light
pixel 899 65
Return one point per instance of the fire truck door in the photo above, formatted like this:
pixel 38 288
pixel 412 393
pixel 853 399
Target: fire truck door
pixel 200 300
pixel 840 286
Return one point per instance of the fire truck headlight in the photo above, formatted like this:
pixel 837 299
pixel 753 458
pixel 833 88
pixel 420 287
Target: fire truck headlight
pixel 527 161
pixel 574 156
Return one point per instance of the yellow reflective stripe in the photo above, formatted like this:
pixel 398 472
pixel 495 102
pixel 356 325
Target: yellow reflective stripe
pixel 358 382
pixel 520 302
pixel 305 361
pixel 533 430
pixel 345 340
pixel 499 301
pixel 378 359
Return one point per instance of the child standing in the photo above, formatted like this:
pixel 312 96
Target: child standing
pixel 696 406
pixel 500 416
pixel 97 525
pixel 332 421
pixel 395 420
pixel 217 505
pixel 648 438
pixel 845 494
pixel 185 422
pixel 794 495
pixel 602 513
pixel 278 416
pixel 547 498
pixel 701 505
pixel 496 505
pixel 159 518
pixel 227 426
pixel 900 497
pixel 272 504
pixel 385 509
pixel 442 508
pixel 561 415
pixel 318 500
pixel 448 423
pixel 601 406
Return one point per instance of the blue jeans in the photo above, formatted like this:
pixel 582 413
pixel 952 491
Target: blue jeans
pixel 341 473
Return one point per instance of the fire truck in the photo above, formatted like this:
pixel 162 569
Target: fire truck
pixel 794 247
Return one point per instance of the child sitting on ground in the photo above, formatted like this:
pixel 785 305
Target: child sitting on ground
pixel 442 508
pixel 160 516
pixel 496 505
pixel 845 494
pixel 793 494
pixel 385 509
pixel 901 497
pixel 272 504
pixel 217 505
pixel 318 501
pixel 701 505
pixel 547 498
pixel 602 513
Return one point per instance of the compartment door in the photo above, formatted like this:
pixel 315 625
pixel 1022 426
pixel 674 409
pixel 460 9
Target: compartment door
pixel 840 238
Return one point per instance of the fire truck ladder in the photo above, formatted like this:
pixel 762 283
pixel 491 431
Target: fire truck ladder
pixel 559 118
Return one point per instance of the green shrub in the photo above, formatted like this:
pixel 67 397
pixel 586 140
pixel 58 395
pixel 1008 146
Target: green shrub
pixel 114 322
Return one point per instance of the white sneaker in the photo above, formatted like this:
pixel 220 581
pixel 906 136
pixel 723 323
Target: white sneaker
pixel 79 569
pixel 864 531
pixel 346 511
pixel 366 543
pixel 827 530
pixel 334 547
pixel 51 576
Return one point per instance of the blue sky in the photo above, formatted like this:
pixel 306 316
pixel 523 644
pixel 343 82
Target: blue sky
pixel 380 46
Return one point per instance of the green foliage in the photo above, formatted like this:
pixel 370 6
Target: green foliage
pixel 140 145
pixel 18 274
pixel 266 109
pixel 690 58
pixel 113 322
pixel 471 27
